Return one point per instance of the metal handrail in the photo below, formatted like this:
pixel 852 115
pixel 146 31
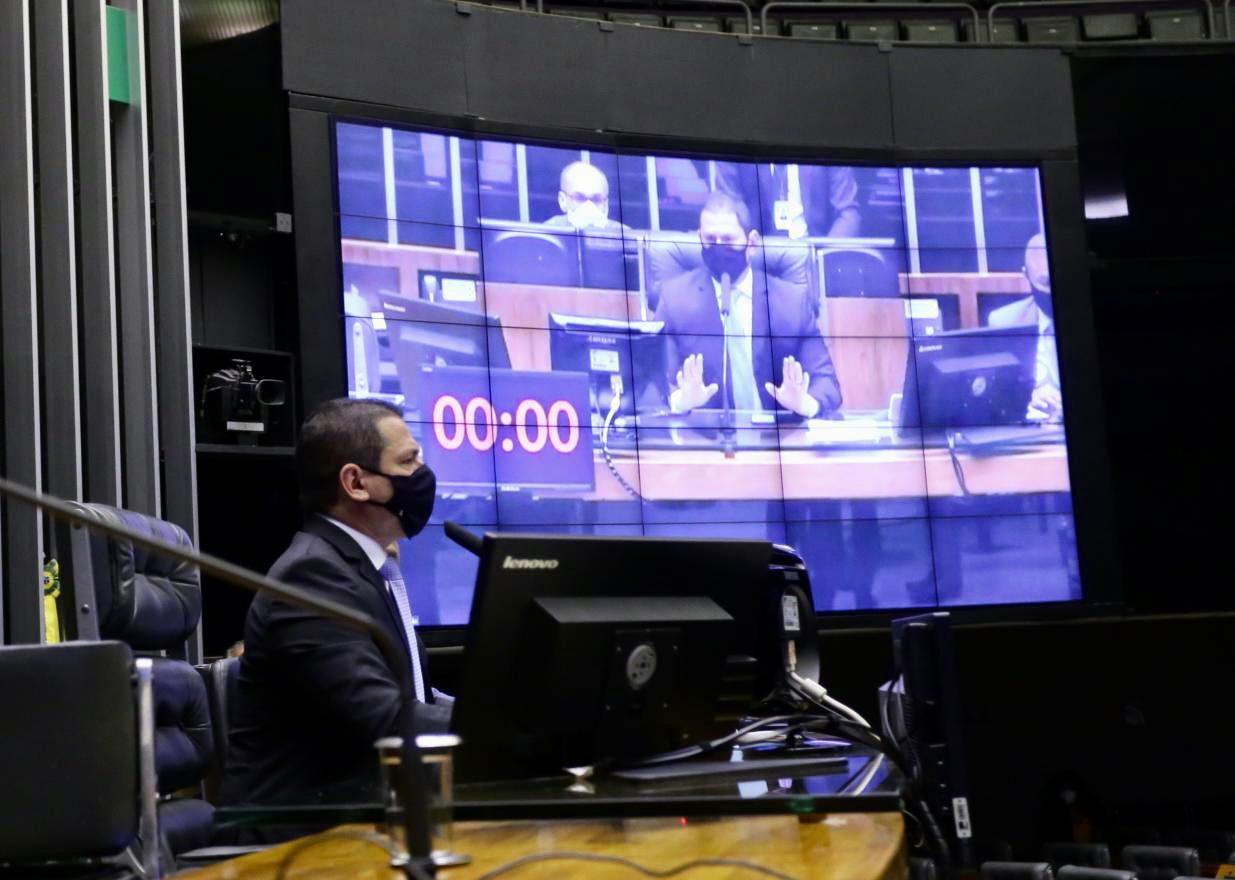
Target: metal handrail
pixel 925 9
pixel 750 18
pixel 1088 4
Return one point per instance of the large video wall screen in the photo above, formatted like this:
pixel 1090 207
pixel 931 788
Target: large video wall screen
pixel 857 361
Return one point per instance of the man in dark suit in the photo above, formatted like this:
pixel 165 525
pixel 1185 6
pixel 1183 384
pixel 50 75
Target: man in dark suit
pixel 314 694
pixel 795 200
pixel 765 325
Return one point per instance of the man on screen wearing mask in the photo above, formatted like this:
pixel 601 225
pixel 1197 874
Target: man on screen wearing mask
pixel 583 197
pixel 1037 309
pixel 315 693
pixel 765 325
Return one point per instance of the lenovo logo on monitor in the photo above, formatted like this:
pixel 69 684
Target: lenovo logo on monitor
pixel 532 564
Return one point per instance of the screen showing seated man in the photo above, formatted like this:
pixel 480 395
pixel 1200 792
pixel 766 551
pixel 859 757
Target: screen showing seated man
pixel 849 360
pixel 721 316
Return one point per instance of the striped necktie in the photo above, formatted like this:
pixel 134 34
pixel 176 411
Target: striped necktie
pixel 394 580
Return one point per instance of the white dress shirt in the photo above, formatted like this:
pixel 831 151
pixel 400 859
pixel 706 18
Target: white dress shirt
pixel 374 551
pixel 738 343
pixel 1046 367
pixel 1046 372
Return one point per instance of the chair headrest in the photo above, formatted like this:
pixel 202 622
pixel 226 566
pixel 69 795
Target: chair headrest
pixel 148 600
pixel 669 254
pixel 1161 861
pixel 1085 872
pixel 1017 871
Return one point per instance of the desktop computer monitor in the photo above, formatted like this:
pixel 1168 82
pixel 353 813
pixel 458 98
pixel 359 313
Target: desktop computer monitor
pixel 969 378
pixel 606 348
pixel 582 649
pixel 425 334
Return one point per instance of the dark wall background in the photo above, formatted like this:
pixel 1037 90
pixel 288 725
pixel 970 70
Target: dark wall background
pixel 242 282
pixel 1152 124
pixel 565 73
pixel 1157 128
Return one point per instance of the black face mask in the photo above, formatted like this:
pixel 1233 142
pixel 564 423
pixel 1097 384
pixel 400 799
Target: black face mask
pixel 722 258
pixel 413 499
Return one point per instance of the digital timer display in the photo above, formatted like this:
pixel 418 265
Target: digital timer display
pixel 520 428
pixel 477 421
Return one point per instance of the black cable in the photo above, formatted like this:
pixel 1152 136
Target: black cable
pixel 921 841
pixel 956 464
pixel 634 866
pixel 844 729
pixel 826 707
pixel 712 745
pixel 604 444
pixel 604 449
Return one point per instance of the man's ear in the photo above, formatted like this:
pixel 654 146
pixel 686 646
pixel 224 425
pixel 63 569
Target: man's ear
pixel 351 481
pixel 753 238
pixel 563 203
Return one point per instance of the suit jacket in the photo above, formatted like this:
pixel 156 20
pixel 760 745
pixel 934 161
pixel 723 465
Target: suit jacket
pixel 827 192
pixel 314 693
pixel 782 323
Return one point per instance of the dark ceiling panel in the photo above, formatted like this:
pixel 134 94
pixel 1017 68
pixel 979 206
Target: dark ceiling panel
pixel 546 71
pixel 405 54
pixel 714 87
pixel 976 99
pixel 536 69
pixel 823 93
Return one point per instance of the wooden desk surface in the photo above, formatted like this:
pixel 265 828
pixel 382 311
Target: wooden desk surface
pixel 804 474
pixel 853 846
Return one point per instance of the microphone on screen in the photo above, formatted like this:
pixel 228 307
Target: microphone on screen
pixel 726 293
pixel 469 541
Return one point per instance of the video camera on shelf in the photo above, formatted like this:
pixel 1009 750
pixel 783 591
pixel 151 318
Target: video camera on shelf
pixel 235 403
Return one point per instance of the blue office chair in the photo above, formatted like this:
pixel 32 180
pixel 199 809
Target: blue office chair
pixel 153 604
pixel 857 272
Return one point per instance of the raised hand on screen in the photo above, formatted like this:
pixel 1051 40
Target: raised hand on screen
pixel 691 392
pixel 793 393
pixel 1046 404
